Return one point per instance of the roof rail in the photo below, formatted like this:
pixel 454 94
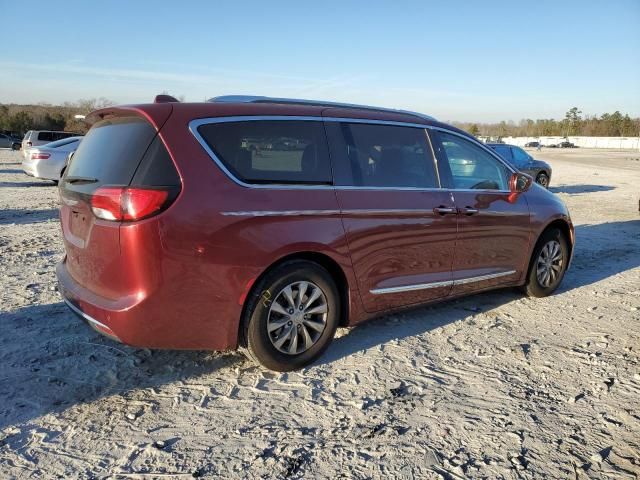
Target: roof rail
pixel 313 103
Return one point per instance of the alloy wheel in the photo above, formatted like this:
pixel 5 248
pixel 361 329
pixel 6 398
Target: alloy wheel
pixel 549 264
pixel 543 180
pixel 297 317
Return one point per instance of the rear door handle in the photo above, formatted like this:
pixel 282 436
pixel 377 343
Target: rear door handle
pixel 445 210
pixel 469 210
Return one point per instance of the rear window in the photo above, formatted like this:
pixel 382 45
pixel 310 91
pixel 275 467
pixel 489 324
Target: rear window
pixel 62 143
pixel 271 151
pixel 113 149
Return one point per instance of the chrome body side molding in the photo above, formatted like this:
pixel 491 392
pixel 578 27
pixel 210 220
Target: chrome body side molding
pixel 448 283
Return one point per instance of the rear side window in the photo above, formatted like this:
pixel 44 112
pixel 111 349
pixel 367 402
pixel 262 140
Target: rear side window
pixel 46 136
pixel 388 156
pixel 113 149
pixel 271 151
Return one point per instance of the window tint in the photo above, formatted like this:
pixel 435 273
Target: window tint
pixel 45 136
pixel 471 166
pixel 520 156
pixel 504 151
pixel 271 151
pixel 111 151
pixel 388 156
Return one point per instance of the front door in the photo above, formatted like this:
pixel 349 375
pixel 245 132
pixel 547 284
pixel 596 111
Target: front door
pixel 401 227
pixel 493 224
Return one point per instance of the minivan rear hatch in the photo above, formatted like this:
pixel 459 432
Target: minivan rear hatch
pixel 121 172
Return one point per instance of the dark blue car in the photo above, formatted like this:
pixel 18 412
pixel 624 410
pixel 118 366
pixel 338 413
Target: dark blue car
pixel 516 156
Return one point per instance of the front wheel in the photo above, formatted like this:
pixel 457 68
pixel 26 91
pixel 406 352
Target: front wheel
pixel 548 264
pixel 292 316
pixel 543 179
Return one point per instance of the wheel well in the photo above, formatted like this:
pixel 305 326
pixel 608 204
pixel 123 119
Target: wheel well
pixel 560 225
pixel 325 261
pixel 541 172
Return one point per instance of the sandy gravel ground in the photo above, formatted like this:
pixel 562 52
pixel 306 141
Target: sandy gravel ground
pixel 492 386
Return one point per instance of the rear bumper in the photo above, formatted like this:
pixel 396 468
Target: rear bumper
pixel 45 169
pixel 93 323
pixel 146 321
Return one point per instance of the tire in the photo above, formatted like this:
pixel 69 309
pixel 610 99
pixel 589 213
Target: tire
pixel 538 285
pixel 269 297
pixel 543 179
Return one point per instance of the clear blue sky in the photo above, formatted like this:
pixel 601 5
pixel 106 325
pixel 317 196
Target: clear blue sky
pixel 468 61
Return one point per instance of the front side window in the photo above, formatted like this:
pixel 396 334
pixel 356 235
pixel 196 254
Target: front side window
pixel 271 151
pixel 471 166
pixel 388 156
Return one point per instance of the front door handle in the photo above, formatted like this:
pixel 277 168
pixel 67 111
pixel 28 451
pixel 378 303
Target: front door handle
pixel 442 210
pixel 469 210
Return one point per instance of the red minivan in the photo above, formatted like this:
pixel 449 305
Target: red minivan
pixel 266 223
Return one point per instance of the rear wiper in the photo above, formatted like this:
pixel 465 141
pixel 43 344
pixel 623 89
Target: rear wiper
pixel 81 180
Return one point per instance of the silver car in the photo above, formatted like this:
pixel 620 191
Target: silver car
pixel 48 161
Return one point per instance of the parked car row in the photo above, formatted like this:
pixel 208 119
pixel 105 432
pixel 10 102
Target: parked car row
pixel 183 230
pixel 35 138
pixel 564 144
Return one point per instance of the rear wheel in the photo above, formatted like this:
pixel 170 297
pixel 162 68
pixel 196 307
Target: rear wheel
pixel 543 179
pixel 548 264
pixel 292 316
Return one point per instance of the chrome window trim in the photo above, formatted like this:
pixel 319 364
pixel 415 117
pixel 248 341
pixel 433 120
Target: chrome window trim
pixel 196 123
pixel 448 283
pixel 478 143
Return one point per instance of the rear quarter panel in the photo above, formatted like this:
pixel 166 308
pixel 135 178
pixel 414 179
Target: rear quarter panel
pixel 218 237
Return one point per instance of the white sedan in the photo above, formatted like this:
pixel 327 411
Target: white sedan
pixel 47 161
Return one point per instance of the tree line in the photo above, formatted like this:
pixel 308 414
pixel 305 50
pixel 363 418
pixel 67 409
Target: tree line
pixel 573 124
pixel 18 119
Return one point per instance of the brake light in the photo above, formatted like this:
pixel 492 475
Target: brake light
pixel 127 204
pixel 40 156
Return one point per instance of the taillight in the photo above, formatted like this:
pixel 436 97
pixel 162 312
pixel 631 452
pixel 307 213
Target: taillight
pixel 40 156
pixel 127 204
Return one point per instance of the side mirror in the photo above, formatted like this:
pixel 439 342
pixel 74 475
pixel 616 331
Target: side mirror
pixel 520 182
